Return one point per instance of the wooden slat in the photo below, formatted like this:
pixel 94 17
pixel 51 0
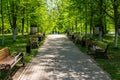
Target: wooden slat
pixel 4 53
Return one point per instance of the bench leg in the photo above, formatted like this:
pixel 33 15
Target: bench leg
pixel 101 55
pixel 23 63
pixel 8 68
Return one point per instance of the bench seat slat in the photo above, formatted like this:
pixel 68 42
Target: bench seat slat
pixel 8 60
pixel 16 61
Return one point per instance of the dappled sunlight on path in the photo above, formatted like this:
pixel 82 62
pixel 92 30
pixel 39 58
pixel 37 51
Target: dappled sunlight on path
pixel 60 59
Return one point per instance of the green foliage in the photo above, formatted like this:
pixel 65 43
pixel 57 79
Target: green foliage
pixel 75 16
pixel 111 65
pixel 15 48
pixel 33 12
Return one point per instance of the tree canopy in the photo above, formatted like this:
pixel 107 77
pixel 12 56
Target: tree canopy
pixel 76 16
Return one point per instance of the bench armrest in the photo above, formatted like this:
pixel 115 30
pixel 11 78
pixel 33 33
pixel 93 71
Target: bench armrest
pixel 18 56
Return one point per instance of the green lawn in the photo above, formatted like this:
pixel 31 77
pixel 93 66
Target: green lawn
pixel 111 65
pixel 16 47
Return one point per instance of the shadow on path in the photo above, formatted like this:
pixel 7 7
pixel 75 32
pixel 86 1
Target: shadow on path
pixel 60 59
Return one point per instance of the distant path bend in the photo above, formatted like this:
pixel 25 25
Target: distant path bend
pixel 60 59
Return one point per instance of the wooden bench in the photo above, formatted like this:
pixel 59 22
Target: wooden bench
pixel 34 42
pixel 71 36
pixel 41 37
pixel 81 39
pixel 7 62
pixel 78 39
pixel 85 40
pixel 98 48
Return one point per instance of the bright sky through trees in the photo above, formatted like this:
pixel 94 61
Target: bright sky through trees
pixel 51 4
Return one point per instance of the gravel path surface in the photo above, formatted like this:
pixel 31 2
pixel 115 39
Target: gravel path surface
pixel 60 59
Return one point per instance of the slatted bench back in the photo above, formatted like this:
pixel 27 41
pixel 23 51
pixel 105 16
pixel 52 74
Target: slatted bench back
pixel 101 44
pixel 4 53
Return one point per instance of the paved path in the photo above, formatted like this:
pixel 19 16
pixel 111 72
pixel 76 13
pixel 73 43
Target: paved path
pixel 60 59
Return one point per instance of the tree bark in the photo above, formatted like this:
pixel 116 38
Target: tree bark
pixel 23 26
pixel 115 7
pixel 2 23
pixel 86 15
pixel 23 22
pixel 72 27
pixel 101 21
pixel 9 16
pixel 14 30
pixel 91 20
pixel 14 20
pixel 76 25
pixel 27 26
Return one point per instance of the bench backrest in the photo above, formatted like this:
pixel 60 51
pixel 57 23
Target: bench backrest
pixel 33 40
pixel 4 53
pixel 102 45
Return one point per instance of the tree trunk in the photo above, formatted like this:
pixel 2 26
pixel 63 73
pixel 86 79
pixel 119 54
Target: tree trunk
pixel 23 26
pixel 116 39
pixel 14 32
pixel 2 24
pixel 105 20
pixel 115 6
pixel 91 21
pixel 100 34
pixel 72 27
pixel 101 21
pixel 86 15
pixel 81 25
pixel 86 28
pixel 23 21
pixel 27 26
pixel 76 25
pixel 14 20
pixel 14 28
pixel 9 16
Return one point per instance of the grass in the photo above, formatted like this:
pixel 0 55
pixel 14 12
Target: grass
pixel 16 47
pixel 111 65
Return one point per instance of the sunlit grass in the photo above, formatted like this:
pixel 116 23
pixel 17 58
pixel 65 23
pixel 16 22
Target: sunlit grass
pixel 16 47
pixel 111 65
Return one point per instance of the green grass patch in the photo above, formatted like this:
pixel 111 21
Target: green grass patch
pixel 16 47
pixel 111 65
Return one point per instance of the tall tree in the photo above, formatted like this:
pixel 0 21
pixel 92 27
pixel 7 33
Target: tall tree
pixel 116 19
pixel 14 9
pixel 2 18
